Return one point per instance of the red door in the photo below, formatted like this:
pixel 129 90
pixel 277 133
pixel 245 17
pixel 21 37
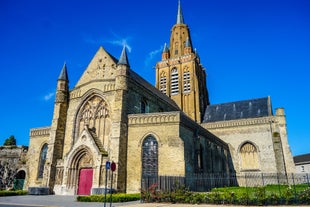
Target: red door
pixel 85 181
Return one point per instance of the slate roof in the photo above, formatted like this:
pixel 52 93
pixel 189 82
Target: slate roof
pixel 299 159
pixel 253 108
pixel 152 89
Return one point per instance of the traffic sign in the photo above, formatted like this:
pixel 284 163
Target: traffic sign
pixel 113 166
pixel 107 165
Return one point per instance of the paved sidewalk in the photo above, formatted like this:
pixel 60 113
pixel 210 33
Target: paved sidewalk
pixel 70 201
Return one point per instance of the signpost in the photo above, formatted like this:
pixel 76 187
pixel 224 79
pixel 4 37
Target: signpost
pixel 112 167
pixel 107 167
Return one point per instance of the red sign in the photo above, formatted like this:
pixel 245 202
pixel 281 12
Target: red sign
pixel 113 166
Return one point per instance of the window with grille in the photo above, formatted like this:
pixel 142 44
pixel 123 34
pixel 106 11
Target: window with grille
pixel 149 157
pixel 187 82
pixel 249 157
pixel 42 160
pixel 163 84
pixel 174 82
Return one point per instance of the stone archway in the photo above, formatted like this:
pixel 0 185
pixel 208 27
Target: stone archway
pixel 81 165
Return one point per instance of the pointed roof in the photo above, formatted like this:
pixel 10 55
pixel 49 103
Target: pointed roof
pixel 63 74
pixel 101 66
pixel 166 49
pixel 180 19
pixel 123 58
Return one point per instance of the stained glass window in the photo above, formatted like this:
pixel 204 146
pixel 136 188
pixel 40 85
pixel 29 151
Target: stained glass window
pixel 42 160
pixel 150 157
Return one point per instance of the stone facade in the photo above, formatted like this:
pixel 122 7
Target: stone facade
pixel 267 134
pixel 113 114
pixel 96 124
pixel 181 145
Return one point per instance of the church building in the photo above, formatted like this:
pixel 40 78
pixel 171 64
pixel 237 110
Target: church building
pixel 170 129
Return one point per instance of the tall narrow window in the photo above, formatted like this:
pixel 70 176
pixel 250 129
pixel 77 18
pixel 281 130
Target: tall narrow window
pixel 174 81
pixel 186 82
pixel 144 106
pixel 163 83
pixel 42 160
pixel 249 157
pixel 149 157
pixel 176 51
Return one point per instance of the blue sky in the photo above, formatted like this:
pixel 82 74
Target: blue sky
pixel 250 48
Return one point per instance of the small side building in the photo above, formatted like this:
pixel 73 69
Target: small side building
pixel 302 163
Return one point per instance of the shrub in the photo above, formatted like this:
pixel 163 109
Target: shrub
pixel 116 198
pixel 13 192
pixel 304 196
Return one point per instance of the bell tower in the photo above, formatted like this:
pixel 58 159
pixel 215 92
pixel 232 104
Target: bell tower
pixel 180 75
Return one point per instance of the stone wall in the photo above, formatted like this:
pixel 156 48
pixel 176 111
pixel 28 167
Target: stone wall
pixel 273 152
pixel 179 143
pixel 12 160
pixel 38 137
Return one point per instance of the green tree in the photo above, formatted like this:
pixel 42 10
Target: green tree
pixel 10 141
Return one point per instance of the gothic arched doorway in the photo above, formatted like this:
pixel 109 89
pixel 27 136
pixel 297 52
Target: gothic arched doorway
pixel 80 174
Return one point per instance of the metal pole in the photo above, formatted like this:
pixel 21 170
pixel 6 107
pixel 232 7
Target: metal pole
pixel 279 185
pixel 105 189
pixel 295 193
pixel 111 189
pixel 246 188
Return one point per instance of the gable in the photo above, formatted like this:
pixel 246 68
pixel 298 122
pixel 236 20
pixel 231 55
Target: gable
pixel 102 66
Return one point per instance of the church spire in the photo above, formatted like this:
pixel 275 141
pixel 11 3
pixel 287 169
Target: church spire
pixel 63 74
pixel 166 48
pixel 180 75
pixel 165 54
pixel 180 19
pixel 123 60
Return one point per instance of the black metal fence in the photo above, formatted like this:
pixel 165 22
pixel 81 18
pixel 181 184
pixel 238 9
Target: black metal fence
pixel 206 182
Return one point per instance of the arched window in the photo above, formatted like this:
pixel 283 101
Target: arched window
pixel 144 106
pixel 176 51
pixel 149 157
pixel 174 81
pixel 42 160
pixel 95 115
pixel 249 157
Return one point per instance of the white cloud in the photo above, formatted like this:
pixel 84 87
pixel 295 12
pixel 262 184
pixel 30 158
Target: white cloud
pixel 120 41
pixel 151 55
pixel 117 40
pixel 48 96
